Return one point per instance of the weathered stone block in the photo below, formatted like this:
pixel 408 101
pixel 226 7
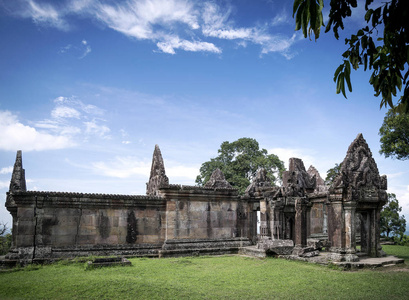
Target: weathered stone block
pixel 279 247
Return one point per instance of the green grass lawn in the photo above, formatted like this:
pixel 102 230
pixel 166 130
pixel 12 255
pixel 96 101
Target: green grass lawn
pixel 225 277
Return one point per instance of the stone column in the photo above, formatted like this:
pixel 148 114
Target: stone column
pixel 264 232
pixel 379 251
pixel 308 219
pixel 300 222
pixel 336 230
pixel 350 232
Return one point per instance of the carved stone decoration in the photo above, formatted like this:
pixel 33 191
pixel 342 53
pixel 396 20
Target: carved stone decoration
pixel 158 178
pixel 296 181
pixel 359 168
pixel 217 181
pixel 260 182
pixel 18 178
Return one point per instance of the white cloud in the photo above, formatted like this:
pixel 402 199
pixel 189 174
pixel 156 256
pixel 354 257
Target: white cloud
pixel 286 153
pixel 126 142
pixel 16 136
pixel 93 128
pixel 217 24
pixel 126 167
pixel 170 24
pixel 122 167
pixel 4 184
pixel 184 172
pixel 280 19
pixel 6 170
pixel 173 43
pixel 136 18
pixel 65 112
pixel 86 50
pixel 80 51
pixel 44 14
pixel 78 105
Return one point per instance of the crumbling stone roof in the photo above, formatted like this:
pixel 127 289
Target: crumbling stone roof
pixel 259 183
pixel 296 181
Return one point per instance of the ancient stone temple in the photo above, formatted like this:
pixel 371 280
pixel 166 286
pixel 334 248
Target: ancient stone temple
pixel 358 191
pixel 298 218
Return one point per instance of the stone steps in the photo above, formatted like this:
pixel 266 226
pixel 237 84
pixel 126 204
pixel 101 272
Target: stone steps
pixel 252 251
pixel 371 262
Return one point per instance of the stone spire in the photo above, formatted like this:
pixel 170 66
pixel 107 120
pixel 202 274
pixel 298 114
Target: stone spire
pixel 18 178
pixel 217 181
pixel 320 186
pixel 359 169
pixel 158 178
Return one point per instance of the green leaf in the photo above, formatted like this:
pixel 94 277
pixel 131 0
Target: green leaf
pixel 298 17
pixel 296 6
pixel 342 78
pixel 347 75
pixel 304 20
pixel 338 70
pixel 367 15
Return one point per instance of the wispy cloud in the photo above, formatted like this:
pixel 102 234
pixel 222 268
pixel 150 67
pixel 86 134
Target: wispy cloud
pixel 45 14
pixel 70 122
pixel 6 170
pixel 65 112
pixel 128 166
pixel 172 25
pixel 87 49
pixel 15 135
pixel 80 51
pixel 93 128
pixel 4 184
pixel 306 155
pixel 217 24
pixel 122 167
pixel 172 43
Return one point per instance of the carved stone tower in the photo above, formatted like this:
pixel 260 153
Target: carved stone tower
pixel 18 178
pixel 158 178
pixel 358 191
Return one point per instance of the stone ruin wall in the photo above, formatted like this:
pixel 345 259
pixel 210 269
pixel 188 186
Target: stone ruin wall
pixel 175 220
pixel 60 224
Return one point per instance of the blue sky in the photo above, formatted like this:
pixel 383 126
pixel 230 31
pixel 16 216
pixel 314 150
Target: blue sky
pixel 89 87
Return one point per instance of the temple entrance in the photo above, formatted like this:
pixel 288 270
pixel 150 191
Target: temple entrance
pixel 258 222
pixel 364 232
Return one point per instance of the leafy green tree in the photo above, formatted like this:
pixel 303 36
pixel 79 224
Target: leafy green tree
pixel 239 162
pixel 382 45
pixel 391 221
pixel 5 239
pixel 332 174
pixel 395 135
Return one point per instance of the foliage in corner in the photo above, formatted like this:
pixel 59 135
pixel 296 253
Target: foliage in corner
pixel 382 46
pixel 239 162
pixel 394 134
pixel 391 221
pixel 5 239
pixel 332 174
